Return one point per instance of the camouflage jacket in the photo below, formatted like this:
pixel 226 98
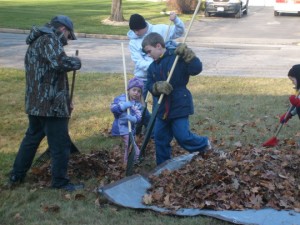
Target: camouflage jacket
pixel 46 67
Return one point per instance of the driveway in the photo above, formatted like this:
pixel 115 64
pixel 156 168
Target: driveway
pixel 257 45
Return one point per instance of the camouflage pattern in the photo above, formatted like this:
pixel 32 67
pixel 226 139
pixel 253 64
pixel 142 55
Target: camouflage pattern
pixel 46 67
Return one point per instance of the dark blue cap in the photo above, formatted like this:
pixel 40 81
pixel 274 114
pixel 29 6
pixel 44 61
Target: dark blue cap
pixel 67 22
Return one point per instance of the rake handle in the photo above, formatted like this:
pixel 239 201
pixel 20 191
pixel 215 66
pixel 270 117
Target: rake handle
pixel 177 56
pixel 281 124
pixel 125 85
pixel 155 110
pixel 286 115
pixel 73 80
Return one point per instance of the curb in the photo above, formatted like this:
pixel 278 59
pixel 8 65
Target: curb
pixel 81 35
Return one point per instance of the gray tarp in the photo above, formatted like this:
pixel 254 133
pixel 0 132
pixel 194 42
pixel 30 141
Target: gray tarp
pixel 129 192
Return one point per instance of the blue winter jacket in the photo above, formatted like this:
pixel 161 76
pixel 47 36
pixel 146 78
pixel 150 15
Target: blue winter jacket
pixel 179 102
pixel 120 124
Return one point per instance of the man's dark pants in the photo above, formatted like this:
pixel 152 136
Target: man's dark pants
pixel 56 130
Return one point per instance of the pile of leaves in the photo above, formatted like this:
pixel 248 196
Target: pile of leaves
pixel 102 164
pixel 105 165
pixel 246 177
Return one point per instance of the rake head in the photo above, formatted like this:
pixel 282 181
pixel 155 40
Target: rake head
pixel 272 142
pixel 45 156
pixel 131 155
pixel 42 159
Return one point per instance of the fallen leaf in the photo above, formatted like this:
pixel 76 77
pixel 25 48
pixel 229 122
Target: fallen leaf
pixel 147 199
pixel 67 196
pixel 51 208
pixel 79 197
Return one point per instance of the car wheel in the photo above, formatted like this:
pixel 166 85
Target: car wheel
pixel 276 13
pixel 239 13
pixel 206 14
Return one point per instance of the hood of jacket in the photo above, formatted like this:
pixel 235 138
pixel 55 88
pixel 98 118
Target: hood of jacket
pixel 37 32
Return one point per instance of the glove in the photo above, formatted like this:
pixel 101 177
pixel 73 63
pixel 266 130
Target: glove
pixel 125 105
pixel 162 87
pixel 282 120
pixel 131 118
pixel 186 53
pixel 76 63
pixel 294 100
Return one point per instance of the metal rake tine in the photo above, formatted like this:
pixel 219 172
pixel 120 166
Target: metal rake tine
pixel 42 159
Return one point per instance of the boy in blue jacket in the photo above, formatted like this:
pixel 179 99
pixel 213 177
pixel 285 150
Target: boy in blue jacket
pixel 173 114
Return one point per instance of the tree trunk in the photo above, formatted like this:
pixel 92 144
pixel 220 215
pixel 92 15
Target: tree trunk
pixel 116 11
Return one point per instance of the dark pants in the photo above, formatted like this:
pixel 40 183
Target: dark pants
pixel 56 130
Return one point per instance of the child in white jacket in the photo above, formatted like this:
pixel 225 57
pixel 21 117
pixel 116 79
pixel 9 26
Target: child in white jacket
pixel 139 29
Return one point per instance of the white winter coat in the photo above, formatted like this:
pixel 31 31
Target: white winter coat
pixel 142 60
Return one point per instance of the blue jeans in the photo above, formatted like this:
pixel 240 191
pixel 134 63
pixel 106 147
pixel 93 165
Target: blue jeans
pixel 56 130
pixel 165 130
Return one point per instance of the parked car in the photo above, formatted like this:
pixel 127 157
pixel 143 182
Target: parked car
pixel 234 7
pixel 286 6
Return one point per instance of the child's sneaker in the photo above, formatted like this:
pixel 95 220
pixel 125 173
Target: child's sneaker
pixel 208 149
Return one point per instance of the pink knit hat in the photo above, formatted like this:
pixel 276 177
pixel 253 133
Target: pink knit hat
pixel 135 82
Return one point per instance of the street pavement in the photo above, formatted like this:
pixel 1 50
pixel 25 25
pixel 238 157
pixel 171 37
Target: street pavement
pixel 257 45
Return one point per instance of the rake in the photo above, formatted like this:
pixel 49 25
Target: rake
pixel 273 141
pixel 131 145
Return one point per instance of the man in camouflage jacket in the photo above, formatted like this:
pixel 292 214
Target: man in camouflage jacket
pixel 47 100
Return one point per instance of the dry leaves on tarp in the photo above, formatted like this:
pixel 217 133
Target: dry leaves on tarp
pixel 246 178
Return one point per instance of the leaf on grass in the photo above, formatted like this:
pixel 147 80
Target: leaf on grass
pixel 97 202
pixel 79 196
pixel 18 216
pixel 67 196
pixel 51 208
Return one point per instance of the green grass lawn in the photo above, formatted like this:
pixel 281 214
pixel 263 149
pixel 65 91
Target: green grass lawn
pixel 230 110
pixel 87 15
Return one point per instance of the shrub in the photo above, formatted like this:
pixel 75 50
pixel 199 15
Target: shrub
pixel 184 6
